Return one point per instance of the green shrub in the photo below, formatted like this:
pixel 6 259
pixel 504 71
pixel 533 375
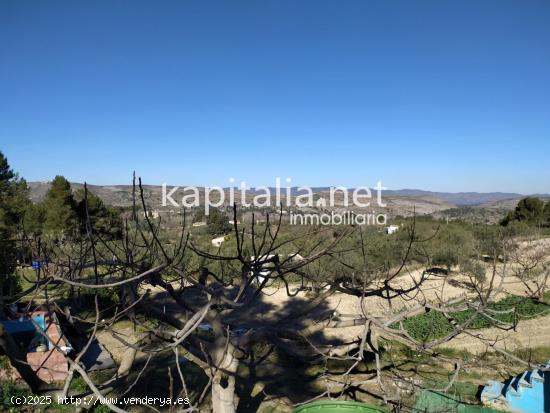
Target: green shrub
pixel 8 389
pixel 433 324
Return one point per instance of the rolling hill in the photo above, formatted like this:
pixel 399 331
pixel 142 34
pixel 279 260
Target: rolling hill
pixel 474 206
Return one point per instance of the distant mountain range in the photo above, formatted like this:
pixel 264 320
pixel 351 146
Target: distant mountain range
pixel 38 190
pixel 403 202
pixel 116 194
pixel 459 198
pixel 455 198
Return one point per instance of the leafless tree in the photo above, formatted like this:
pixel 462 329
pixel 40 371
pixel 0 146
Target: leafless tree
pixel 530 263
pixel 216 312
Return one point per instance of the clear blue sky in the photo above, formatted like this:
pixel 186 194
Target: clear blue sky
pixel 437 95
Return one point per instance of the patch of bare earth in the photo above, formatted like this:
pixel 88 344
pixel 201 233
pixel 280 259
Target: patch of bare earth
pixel 528 334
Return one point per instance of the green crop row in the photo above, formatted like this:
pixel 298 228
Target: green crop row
pixel 433 324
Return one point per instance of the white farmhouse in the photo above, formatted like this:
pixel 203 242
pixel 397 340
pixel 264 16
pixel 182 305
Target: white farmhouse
pixel 152 213
pixel 391 229
pixel 217 242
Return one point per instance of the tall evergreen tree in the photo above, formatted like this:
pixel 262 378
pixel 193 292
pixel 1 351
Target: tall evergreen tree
pixel 33 221
pixel 528 210
pixel 546 214
pixel 59 208
pixel 104 220
pixel 6 174
pixel 13 195
pixel 13 201
pixel 217 223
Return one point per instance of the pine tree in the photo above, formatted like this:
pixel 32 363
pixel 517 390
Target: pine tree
pixel 13 201
pixel 104 220
pixel 6 175
pixel 528 210
pixel 546 214
pixel 59 208
pixel 217 223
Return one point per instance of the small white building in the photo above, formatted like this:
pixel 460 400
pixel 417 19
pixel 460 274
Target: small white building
pixel 391 229
pixel 152 213
pixel 217 242
pixel 199 224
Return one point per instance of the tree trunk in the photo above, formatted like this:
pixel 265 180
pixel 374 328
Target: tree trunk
pixel 128 296
pixel 223 384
